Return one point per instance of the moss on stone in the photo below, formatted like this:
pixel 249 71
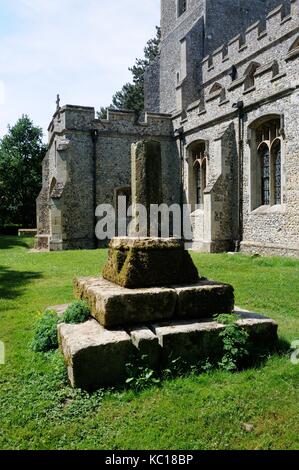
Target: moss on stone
pixel 138 265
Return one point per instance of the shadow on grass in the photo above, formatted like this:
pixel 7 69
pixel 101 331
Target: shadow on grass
pixel 13 283
pixel 259 356
pixel 257 359
pixel 283 346
pixel 7 243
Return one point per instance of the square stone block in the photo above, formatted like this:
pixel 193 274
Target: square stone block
pixel 190 341
pixel 193 341
pixel 115 306
pixel 59 309
pixel 204 299
pixel 263 331
pixel 147 344
pixel 149 262
pixel 95 357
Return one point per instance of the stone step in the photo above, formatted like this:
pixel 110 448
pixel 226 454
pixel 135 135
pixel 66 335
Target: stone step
pixel 98 358
pixel 115 306
pixel 95 357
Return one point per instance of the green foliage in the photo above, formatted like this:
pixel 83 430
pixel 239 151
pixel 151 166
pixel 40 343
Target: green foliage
pixel 176 368
pixel 140 376
pixel 45 335
pixel 226 318
pixel 235 343
pixel 77 312
pixel 131 96
pixel 21 155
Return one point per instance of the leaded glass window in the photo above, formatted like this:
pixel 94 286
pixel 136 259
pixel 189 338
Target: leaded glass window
pixel 268 142
pixel 265 162
pixel 198 183
pixel 277 175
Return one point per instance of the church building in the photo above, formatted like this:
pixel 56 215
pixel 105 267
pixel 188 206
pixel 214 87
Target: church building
pixel 222 98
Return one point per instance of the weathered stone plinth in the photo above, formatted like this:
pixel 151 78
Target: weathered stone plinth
pixel 97 358
pixel 204 299
pixel 149 262
pixel 115 306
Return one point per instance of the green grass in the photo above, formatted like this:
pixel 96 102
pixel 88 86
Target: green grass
pixel 38 410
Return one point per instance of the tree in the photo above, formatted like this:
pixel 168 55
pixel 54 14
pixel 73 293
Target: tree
pixel 21 155
pixel 131 96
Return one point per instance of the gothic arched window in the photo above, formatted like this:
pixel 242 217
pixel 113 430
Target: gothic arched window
pixel 249 75
pixel 268 164
pixel 200 170
pixel 198 182
pixel 264 153
pixel 197 161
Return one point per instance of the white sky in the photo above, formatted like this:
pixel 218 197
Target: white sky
pixel 80 49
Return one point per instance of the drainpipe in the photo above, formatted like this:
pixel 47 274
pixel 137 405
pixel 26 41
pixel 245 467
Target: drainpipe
pixel 180 133
pixel 94 136
pixel 240 108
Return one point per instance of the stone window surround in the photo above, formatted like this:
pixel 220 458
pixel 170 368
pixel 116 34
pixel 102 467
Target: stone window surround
pixel 254 173
pixel 249 75
pixel 192 159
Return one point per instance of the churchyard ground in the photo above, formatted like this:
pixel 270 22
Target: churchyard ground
pixel 254 409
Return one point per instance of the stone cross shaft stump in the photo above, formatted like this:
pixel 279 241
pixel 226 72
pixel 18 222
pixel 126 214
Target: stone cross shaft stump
pixel 139 262
pixel 146 179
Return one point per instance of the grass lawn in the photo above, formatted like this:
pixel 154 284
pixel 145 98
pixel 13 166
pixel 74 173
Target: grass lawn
pixel 38 410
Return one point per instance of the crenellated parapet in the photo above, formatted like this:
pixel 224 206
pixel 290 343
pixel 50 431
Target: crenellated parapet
pixel 127 122
pixel 260 35
pixel 251 68
pixel 71 118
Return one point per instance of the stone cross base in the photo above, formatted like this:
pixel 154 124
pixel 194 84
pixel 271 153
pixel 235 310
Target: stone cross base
pixel 114 306
pixel 149 262
pixel 98 358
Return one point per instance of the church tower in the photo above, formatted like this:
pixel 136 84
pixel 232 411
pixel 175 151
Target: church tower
pixel 191 29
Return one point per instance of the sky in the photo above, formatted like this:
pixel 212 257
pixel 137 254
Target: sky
pixel 80 49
